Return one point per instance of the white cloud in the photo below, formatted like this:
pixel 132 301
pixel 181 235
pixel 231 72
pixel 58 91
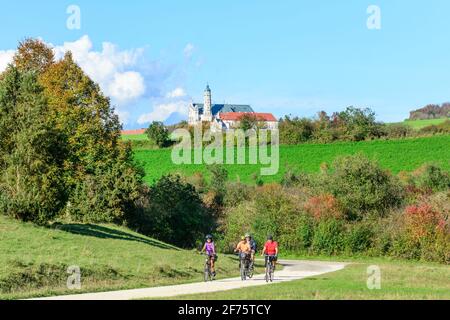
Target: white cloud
pixel 163 111
pixel 189 50
pixel 127 76
pixel 127 86
pixel 176 93
pixel 6 56
pixel 114 70
pixel 124 116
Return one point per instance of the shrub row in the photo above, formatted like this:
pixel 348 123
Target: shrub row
pixel 351 208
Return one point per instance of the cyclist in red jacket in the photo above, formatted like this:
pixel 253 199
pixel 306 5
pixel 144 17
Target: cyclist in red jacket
pixel 270 251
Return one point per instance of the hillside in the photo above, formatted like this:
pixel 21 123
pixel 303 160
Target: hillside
pixel 419 124
pixel 395 155
pixel 34 260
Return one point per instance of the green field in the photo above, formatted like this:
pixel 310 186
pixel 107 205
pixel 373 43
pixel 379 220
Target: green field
pixel 419 124
pixel 399 280
pixel 134 137
pixel 395 155
pixel 34 260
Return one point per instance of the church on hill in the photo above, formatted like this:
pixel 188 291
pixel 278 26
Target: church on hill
pixel 226 116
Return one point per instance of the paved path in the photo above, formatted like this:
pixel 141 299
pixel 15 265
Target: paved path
pixel 293 270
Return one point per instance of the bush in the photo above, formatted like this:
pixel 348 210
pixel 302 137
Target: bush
pixel 323 207
pixel 304 233
pixel 362 187
pixel 431 177
pixel 277 214
pixel 425 235
pixel 237 193
pixel 237 221
pixel 158 133
pixel 109 194
pixel 397 131
pixel 328 237
pixel 295 130
pixel 358 238
pixel 442 128
pixel 176 213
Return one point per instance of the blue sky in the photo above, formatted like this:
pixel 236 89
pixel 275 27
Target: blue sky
pixel 285 57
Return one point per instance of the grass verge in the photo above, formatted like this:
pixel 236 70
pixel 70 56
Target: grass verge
pixel 400 280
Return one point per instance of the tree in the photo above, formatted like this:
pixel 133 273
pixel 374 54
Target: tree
pixel 218 188
pixel 248 121
pixel 98 165
pixel 31 184
pixel 356 124
pixel 158 133
pixel 362 186
pixel 295 130
pixel 33 55
pixel 176 213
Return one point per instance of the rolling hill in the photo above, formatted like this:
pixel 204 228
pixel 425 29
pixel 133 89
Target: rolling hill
pixel 34 260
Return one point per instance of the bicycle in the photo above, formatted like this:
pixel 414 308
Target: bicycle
pixel 208 274
pixel 244 266
pixel 270 268
pixel 251 268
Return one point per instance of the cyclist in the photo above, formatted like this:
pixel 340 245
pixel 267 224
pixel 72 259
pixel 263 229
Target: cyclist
pixel 253 247
pixel 244 249
pixel 270 250
pixel 210 250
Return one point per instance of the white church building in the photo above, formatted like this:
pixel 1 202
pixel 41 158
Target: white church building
pixel 226 116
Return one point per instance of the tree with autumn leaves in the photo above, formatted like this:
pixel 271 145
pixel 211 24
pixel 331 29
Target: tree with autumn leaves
pixel 60 151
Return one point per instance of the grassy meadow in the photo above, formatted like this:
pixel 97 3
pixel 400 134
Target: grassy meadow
pixel 34 260
pixel 419 124
pixel 395 155
pixel 135 137
pixel 405 280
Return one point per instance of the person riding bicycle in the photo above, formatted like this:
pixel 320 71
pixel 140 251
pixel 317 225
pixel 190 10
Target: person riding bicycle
pixel 253 247
pixel 244 249
pixel 270 250
pixel 210 250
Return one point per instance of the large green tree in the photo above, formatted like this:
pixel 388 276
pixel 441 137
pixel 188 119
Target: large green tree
pixel 31 185
pixel 100 179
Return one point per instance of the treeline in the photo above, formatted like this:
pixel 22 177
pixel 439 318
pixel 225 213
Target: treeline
pixel 431 111
pixel 352 124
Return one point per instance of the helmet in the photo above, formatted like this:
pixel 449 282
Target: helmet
pixel 269 237
pixel 247 235
pixel 209 236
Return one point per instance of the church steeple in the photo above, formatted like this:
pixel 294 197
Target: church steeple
pixel 207 104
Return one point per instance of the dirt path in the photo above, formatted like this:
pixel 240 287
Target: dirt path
pixel 293 270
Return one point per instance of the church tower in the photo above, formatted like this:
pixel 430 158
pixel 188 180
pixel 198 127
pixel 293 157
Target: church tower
pixel 207 115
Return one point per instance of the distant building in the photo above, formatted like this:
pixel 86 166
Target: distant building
pixel 226 116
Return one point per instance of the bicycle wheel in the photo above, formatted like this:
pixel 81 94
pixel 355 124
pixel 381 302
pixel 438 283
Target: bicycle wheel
pixel 207 273
pixel 271 273
pixel 243 273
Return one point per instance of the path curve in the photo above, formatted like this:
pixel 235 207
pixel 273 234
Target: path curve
pixel 293 270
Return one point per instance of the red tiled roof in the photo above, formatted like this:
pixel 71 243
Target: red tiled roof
pixel 236 116
pixel 133 132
